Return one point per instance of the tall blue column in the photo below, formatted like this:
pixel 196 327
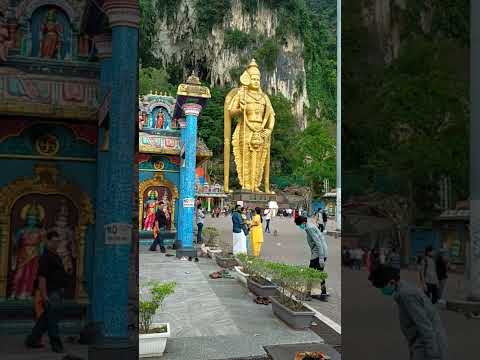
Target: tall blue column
pixel 124 18
pixel 103 44
pixel 187 184
pixel 182 180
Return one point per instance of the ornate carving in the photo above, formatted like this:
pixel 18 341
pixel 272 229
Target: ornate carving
pixel 123 12
pixel 193 88
pixel 103 43
pixel 47 182
pixel 157 180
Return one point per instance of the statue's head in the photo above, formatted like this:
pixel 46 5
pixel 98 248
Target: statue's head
pixel 52 15
pixel 33 214
pixel 62 217
pixel 251 76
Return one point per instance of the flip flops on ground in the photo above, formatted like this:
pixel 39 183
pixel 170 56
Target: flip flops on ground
pixel 224 274
pixel 261 300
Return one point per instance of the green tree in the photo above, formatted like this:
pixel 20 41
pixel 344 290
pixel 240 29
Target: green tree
pixel 152 79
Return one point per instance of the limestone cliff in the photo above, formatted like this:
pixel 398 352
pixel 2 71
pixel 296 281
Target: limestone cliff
pixel 178 41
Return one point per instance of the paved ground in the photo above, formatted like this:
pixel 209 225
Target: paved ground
pixel 214 319
pixel 290 246
pixel 371 329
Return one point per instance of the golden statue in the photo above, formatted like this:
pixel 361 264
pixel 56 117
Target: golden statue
pixel 252 137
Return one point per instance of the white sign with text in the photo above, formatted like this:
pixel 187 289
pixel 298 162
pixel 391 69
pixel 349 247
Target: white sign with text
pixel 118 234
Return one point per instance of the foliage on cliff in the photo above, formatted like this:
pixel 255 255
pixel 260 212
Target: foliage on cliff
pixel 406 122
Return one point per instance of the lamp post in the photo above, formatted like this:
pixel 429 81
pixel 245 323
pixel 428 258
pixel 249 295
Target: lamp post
pixel 338 215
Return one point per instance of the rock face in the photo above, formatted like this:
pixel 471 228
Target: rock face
pixel 387 19
pixel 214 60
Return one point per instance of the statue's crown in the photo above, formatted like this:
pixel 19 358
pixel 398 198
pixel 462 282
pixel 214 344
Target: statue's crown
pixel 253 64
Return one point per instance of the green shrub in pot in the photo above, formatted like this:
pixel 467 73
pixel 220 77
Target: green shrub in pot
pixel 152 296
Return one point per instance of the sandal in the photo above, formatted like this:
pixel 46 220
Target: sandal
pixel 215 275
pixel 226 275
pixel 259 300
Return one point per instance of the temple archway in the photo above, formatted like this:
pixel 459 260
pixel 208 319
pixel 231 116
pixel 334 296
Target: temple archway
pixel 159 185
pixel 46 197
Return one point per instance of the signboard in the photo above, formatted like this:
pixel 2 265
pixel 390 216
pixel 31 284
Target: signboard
pixel 118 234
pixel 104 108
pixel 188 203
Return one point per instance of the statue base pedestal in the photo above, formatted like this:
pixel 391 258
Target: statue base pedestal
pixel 252 199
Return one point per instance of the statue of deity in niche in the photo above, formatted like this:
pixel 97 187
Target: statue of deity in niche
pixel 149 210
pixel 66 242
pixel 160 120
pixel 52 33
pixel 142 119
pixel 27 249
pixel 253 134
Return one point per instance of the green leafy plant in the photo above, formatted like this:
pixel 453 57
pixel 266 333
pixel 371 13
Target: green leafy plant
pixel 152 296
pixel 211 234
pixel 294 282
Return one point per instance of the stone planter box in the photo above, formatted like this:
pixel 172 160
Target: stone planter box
pixel 153 345
pixel 226 262
pixel 299 320
pixel 241 276
pixel 262 290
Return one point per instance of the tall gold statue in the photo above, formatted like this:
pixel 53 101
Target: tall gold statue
pixel 253 135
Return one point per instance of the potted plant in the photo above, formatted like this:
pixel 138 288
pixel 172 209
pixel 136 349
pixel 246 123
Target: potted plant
pixel 293 283
pixel 153 336
pixel 257 270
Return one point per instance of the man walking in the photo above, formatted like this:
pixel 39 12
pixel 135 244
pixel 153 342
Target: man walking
pixel 52 282
pixel 324 218
pixel 318 248
pixel 160 224
pixel 419 319
pixel 429 276
pixel 268 216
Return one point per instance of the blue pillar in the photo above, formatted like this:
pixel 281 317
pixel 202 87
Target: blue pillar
pixel 124 19
pixel 187 184
pixel 104 47
pixel 179 211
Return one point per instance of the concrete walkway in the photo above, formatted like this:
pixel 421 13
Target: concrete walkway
pixel 214 319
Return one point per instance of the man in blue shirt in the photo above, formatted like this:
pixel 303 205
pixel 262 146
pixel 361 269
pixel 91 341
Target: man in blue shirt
pixel 318 248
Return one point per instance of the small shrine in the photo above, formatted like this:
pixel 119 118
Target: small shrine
pixel 210 195
pixel 161 156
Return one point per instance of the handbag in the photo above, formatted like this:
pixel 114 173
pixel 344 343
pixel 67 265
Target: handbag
pixel 245 229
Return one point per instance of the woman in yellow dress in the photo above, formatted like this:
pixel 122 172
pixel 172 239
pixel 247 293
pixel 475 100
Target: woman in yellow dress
pixel 257 232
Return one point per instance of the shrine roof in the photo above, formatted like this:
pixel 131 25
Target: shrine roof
pixel 167 142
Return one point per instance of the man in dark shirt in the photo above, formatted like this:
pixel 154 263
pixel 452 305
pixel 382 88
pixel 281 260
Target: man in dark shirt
pixel 160 224
pixel 52 281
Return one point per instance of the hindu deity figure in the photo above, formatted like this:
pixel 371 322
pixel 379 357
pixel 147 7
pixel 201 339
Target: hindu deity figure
pixel 160 120
pixel 149 210
pixel 52 32
pixel 27 248
pixel 142 119
pixel 167 209
pixel 252 137
pixel 66 241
